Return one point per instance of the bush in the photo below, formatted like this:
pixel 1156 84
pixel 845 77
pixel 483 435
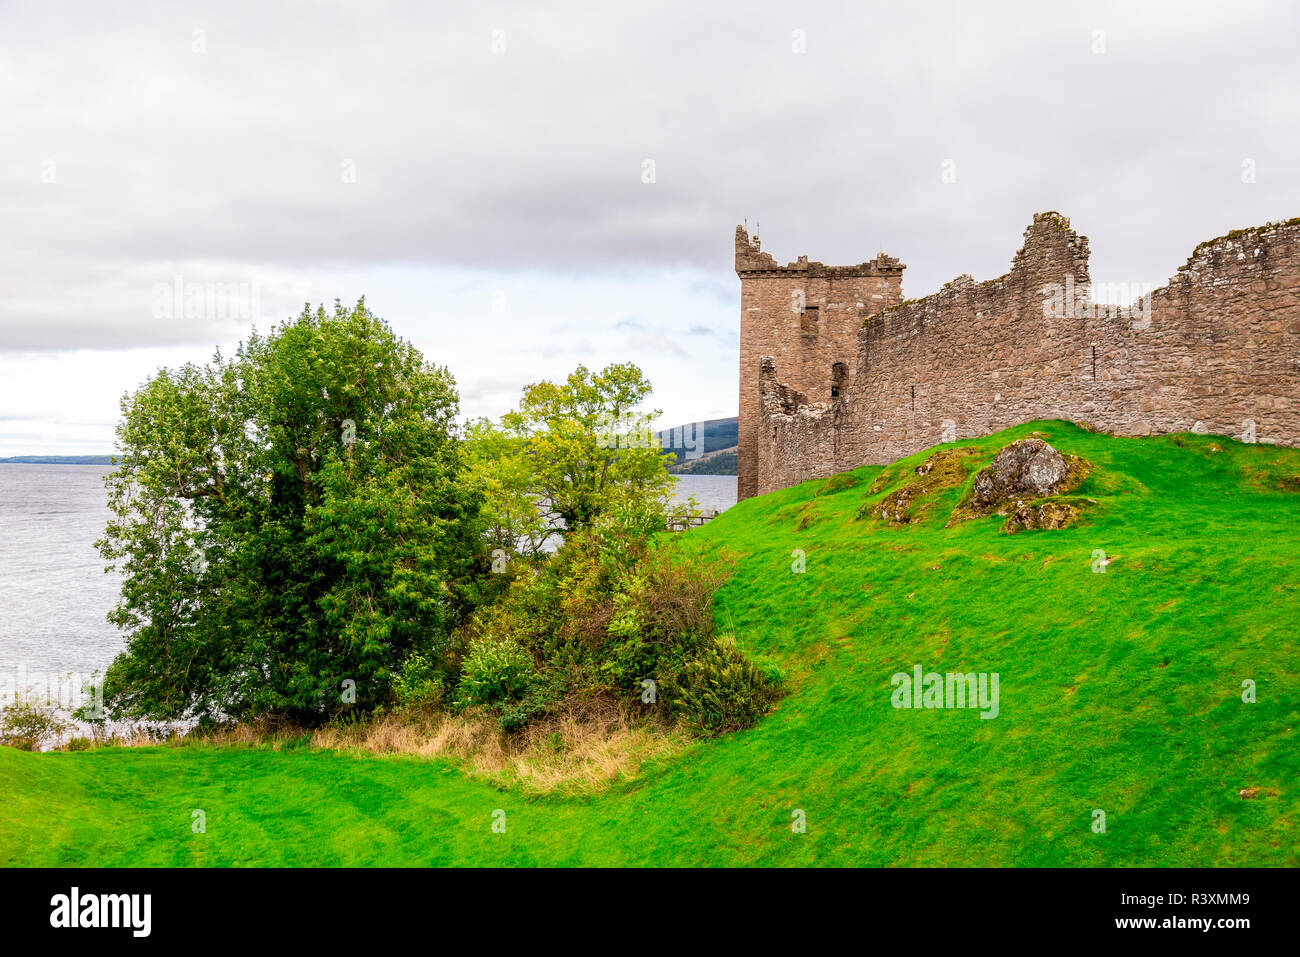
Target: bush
pixel 617 604
pixel 720 690
pixel 419 685
pixel 542 695
pixel 497 671
pixel 28 722
pixel 79 744
pixel 629 613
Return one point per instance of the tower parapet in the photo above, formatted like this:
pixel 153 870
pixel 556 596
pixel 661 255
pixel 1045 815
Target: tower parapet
pixel 752 262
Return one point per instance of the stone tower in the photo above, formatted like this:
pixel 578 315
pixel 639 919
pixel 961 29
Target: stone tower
pixel 805 317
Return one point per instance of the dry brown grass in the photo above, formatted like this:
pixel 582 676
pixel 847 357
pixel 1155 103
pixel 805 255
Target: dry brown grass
pixel 585 749
pixel 121 735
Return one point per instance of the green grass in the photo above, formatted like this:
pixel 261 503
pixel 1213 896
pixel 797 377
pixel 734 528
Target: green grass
pixel 1119 691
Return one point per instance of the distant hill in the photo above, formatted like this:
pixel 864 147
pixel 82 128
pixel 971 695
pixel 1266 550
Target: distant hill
pixel 59 460
pixel 721 462
pixel 709 437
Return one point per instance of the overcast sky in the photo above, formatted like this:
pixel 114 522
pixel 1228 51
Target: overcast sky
pixel 479 171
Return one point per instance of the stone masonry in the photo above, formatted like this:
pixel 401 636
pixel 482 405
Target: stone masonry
pixel 809 315
pixel 836 371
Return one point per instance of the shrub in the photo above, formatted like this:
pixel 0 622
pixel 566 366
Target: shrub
pixel 497 670
pixel 677 595
pixel 630 615
pixel 720 690
pixel 79 744
pixel 419 685
pixel 614 606
pixel 28 722
pixel 542 695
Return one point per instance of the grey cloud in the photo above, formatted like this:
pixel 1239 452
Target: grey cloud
pixel 532 158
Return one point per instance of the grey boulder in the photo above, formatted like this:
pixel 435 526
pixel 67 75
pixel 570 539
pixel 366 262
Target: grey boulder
pixel 1027 468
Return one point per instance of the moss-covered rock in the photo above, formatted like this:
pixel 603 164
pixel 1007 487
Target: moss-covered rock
pixel 1046 514
pixel 942 470
pixel 1025 476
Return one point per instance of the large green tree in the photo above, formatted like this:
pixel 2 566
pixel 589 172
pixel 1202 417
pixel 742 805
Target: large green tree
pixel 291 524
pixel 570 453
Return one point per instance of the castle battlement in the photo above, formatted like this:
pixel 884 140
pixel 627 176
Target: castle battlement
pixel 751 261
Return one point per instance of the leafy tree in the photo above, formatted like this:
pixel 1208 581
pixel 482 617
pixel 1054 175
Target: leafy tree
pixel 502 469
pixel 291 523
pixel 567 455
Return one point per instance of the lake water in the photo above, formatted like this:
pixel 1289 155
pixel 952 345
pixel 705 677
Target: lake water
pixel 710 491
pixel 53 587
pixel 52 582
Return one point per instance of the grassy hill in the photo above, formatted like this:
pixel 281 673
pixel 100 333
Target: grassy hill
pixel 1119 691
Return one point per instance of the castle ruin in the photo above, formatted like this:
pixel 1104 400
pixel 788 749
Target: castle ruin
pixel 837 370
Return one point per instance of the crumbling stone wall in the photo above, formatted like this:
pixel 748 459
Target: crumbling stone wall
pixel 1217 350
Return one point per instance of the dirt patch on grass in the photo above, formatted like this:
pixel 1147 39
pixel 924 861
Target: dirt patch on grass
pixel 1280 475
pixel 1254 793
